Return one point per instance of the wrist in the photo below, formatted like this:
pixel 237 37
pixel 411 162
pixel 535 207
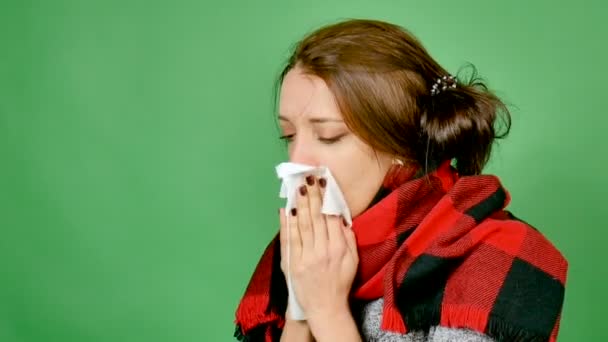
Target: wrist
pixel 296 331
pixel 334 325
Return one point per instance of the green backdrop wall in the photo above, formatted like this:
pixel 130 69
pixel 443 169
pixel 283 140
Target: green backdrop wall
pixel 137 147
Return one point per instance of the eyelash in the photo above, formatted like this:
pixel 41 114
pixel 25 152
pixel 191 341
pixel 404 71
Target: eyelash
pixel 327 141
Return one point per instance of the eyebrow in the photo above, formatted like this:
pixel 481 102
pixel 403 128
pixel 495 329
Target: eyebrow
pixel 314 120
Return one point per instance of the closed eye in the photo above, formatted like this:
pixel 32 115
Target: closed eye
pixel 287 137
pixel 331 140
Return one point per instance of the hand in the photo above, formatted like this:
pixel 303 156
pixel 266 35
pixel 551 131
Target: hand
pixel 323 254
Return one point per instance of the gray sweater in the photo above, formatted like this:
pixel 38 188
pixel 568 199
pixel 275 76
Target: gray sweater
pixel 372 316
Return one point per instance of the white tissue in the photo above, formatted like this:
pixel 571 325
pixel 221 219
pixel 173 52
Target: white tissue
pixel 293 176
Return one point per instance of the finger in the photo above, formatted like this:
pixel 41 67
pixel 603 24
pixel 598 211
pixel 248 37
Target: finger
pixel 351 241
pixel 283 235
pixel 319 226
pixel 335 230
pixel 295 240
pixel 304 221
pixel 322 185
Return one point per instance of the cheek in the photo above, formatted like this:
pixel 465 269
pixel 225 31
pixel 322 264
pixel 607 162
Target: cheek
pixel 358 175
pixel 359 187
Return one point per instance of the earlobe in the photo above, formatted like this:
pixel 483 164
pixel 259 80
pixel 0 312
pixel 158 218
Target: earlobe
pixel 397 161
pixel 398 174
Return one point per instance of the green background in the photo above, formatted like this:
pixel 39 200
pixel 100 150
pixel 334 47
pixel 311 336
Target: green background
pixel 137 145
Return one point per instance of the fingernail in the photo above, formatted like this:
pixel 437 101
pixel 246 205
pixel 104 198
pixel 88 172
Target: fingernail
pixel 310 180
pixel 322 182
pixel 303 190
pixel 294 211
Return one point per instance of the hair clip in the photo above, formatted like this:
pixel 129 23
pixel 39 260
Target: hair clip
pixel 443 83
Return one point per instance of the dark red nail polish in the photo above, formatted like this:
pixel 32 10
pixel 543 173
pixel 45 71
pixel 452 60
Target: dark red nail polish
pixel 294 211
pixel 303 190
pixel 322 182
pixel 310 180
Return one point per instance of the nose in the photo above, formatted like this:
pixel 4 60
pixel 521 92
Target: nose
pixel 301 152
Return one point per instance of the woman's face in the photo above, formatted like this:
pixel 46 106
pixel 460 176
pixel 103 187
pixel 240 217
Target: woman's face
pixel 316 134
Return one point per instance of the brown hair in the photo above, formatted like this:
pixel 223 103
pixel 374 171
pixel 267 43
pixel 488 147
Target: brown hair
pixel 382 76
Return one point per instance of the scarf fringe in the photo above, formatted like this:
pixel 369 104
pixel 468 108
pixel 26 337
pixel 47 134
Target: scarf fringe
pixel 238 333
pixel 245 333
pixel 247 315
pixel 503 331
pixel 469 317
pixel 392 321
pixel 259 334
pixel 460 316
pixel 249 318
pixel 463 317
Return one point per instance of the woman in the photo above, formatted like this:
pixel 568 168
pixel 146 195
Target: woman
pixel 433 254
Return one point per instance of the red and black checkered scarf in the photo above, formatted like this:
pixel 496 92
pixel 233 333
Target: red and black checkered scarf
pixel 441 250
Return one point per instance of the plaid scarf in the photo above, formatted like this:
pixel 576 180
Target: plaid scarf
pixel 441 250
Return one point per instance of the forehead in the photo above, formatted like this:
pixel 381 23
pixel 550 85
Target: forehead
pixel 304 95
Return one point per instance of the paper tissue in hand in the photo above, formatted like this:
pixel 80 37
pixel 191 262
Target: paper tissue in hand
pixel 293 176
